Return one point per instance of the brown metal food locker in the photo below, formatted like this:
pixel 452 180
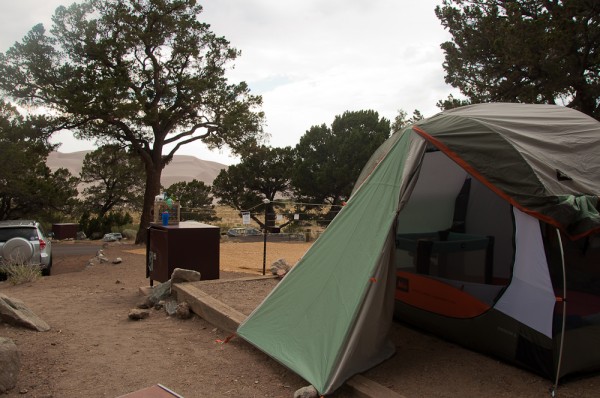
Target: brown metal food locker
pixel 188 245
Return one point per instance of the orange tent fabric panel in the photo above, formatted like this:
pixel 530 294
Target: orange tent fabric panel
pixel 435 296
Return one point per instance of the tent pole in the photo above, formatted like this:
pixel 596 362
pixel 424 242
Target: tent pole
pixel 564 312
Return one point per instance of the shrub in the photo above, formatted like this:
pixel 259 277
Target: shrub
pixel 18 272
pixel 129 233
pixel 97 227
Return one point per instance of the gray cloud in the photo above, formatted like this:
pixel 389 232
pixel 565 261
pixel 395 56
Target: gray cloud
pixel 311 59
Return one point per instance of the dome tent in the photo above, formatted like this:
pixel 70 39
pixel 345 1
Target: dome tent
pixel 475 223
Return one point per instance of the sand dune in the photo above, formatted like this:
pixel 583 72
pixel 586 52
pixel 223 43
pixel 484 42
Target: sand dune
pixel 182 168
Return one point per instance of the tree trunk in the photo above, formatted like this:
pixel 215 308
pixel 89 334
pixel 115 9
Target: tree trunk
pixel 153 174
pixel 270 216
pixel 261 223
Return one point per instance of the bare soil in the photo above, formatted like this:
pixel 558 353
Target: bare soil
pixel 94 350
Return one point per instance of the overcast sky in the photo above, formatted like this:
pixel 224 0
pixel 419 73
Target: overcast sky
pixel 310 59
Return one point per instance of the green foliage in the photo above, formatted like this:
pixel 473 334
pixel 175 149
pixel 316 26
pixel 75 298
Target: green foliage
pixel 96 227
pixel 262 174
pixel 194 200
pixel 401 121
pixel 28 188
pixel 115 178
pixel 329 160
pixel 531 51
pixel 143 73
pixel 451 103
pixel 129 233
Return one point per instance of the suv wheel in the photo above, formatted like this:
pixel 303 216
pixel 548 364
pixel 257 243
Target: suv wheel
pixel 46 271
pixel 18 250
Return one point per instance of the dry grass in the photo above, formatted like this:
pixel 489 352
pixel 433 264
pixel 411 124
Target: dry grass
pixel 248 256
pixel 19 272
pixel 230 218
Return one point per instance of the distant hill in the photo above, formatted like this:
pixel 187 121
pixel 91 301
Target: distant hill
pixel 182 168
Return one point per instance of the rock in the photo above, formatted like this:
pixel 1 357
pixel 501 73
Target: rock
pixel 80 235
pixel 159 292
pixel 183 311
pixel 143 304
pixel 14 312
pixel 100 257
pixel 280 267
pixel 306 392
pixel 160 305
pixel 136 314
pixel 171 306
pixel 117 260
pixel 9 365
pixel 184 275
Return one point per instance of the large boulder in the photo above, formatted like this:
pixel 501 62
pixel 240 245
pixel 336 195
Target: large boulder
pixel 9 365
pixel 14 312
pixel 280 267
pixel 158 293
pixel 184 275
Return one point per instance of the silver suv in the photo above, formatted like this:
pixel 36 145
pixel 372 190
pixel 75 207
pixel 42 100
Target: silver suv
pixel 25 241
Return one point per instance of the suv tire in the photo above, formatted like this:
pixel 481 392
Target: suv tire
pixel 18 250
pixel 46 271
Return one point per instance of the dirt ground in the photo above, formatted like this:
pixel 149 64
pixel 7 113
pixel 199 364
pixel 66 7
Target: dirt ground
pixel 94 350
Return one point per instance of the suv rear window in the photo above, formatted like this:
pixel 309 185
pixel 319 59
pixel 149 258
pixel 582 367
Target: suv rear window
pixel 18 232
